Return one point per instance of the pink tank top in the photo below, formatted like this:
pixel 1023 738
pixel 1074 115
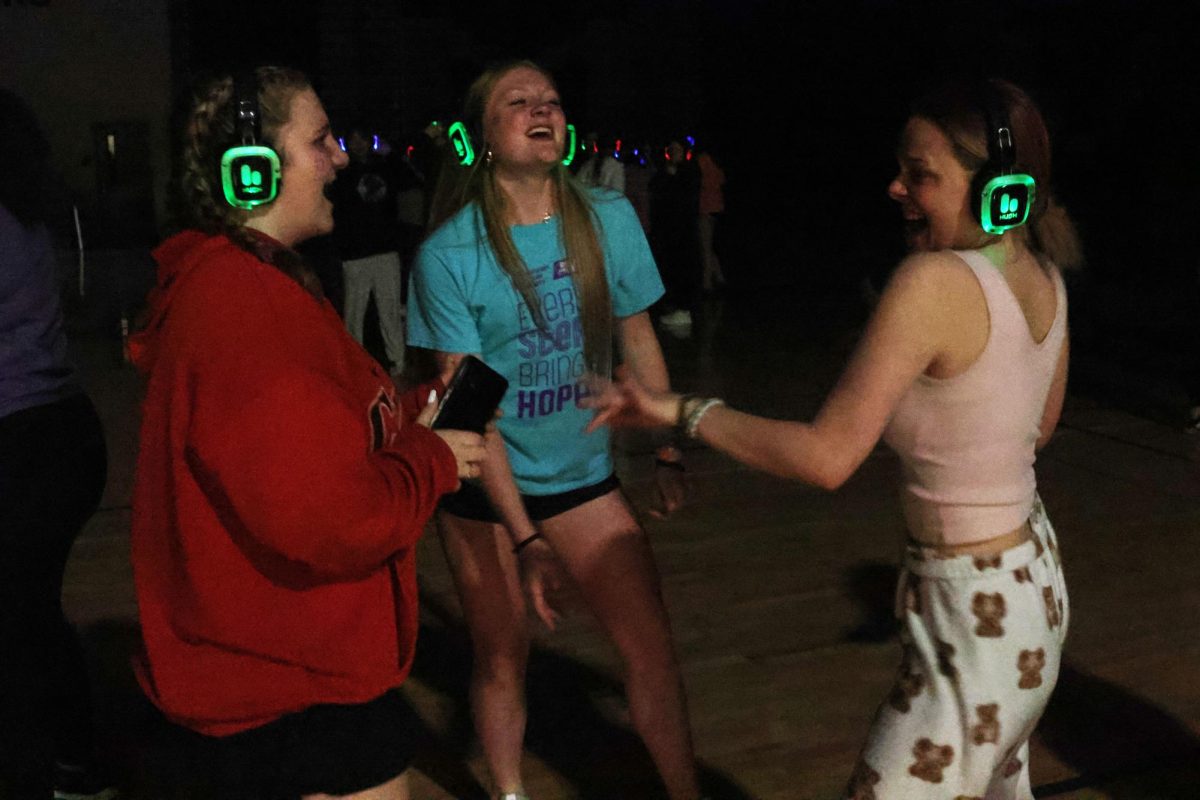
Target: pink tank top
pixel 967 442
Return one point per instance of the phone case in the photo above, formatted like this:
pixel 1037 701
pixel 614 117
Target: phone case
pixel 471 398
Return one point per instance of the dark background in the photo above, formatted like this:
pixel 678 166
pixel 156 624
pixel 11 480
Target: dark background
pixel 801 102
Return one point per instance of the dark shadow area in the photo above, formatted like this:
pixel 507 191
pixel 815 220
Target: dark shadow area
pixel 602 758
pixel 1108 733
pixel 149 758
pixel 872 584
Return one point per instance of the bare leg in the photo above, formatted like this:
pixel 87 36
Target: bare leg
pixel 395 789
pixel 712 276
pixel 485 573
pixel 609 557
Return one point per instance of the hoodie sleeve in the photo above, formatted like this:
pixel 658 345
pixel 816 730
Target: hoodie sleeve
pixel 280 449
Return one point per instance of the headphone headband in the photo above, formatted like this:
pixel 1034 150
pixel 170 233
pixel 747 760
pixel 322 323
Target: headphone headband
pixel 245 107
pixel 250 172
pixel 1003 197
pixel 1002 151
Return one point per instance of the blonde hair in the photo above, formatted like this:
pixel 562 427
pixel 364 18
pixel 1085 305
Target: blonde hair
pixel 208 131
pixel 955 109
pixel 460 186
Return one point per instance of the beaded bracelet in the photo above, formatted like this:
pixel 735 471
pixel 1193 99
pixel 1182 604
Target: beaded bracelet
pixel 681 413
pixel 697 414
pixel 521 544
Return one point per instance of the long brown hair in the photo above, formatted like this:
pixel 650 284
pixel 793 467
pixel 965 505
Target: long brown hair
pixel 208 131
pixel 956 109
pixel 461 186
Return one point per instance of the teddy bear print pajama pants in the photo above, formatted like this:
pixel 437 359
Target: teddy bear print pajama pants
pixel 982 642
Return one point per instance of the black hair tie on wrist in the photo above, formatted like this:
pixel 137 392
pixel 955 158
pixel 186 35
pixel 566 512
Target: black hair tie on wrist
pixel 521 544
pixel 676 465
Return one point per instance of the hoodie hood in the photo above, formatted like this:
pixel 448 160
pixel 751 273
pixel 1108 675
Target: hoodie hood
pixel 176 257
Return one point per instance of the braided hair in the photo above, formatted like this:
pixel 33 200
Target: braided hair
pixel 208 131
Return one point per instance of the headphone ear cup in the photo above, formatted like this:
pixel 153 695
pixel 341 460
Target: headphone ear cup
pixel 978 197
pixel 250 175
pixel 463 142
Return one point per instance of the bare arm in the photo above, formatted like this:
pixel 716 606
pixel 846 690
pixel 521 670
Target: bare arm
pixel 905 335
pixel 641 351
pixel 643 357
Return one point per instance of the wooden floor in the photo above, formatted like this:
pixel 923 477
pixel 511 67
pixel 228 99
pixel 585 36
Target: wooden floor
pixel 780 599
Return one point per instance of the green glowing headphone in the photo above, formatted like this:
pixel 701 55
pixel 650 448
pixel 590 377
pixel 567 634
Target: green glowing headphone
pixel 249 171
pixel 1002 197
pixel 461 139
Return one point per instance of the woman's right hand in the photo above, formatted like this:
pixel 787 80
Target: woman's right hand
pixel 469 451
pixel 468 447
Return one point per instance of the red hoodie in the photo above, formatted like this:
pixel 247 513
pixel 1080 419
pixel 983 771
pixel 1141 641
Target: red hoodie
pixel 281 487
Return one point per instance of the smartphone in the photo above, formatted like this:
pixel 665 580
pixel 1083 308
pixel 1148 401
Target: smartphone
pixel 471 398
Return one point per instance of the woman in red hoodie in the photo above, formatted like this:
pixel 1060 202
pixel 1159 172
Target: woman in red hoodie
pixel 282 483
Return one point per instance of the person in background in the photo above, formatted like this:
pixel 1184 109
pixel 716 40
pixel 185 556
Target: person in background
pixel 674 235
pixel 282 482
pixel 962 370
pixel 712 204
pixel 367 235
pixel 603 166
pixel 638 173
pixel 537 275
pixel 53 467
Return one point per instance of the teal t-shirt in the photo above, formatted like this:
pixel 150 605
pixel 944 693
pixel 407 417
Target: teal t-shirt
pixel 461 301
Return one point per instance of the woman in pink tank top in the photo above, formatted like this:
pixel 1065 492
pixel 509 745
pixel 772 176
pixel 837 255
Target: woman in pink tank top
pixel 982 601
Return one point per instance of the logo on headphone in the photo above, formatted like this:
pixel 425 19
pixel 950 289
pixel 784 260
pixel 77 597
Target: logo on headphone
pixel 249 175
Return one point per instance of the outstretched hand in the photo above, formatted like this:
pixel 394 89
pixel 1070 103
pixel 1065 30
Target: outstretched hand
pixel 625 403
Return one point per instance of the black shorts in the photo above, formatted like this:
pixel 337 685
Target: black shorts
pixel 470 502
pixel 325 749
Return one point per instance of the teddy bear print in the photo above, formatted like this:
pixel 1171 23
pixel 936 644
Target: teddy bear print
pixel 1030 663
pixel 945 659
pixel 990 609
pixel 908 685
pixel 862 782
pixel 1053 612
pixel 931 760
pixel 1038 547
pixel 987 563
pixel 1023 575
pixel 988 729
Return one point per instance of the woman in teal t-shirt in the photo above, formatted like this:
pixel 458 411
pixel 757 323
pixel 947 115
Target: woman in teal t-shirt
pixel 536 274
